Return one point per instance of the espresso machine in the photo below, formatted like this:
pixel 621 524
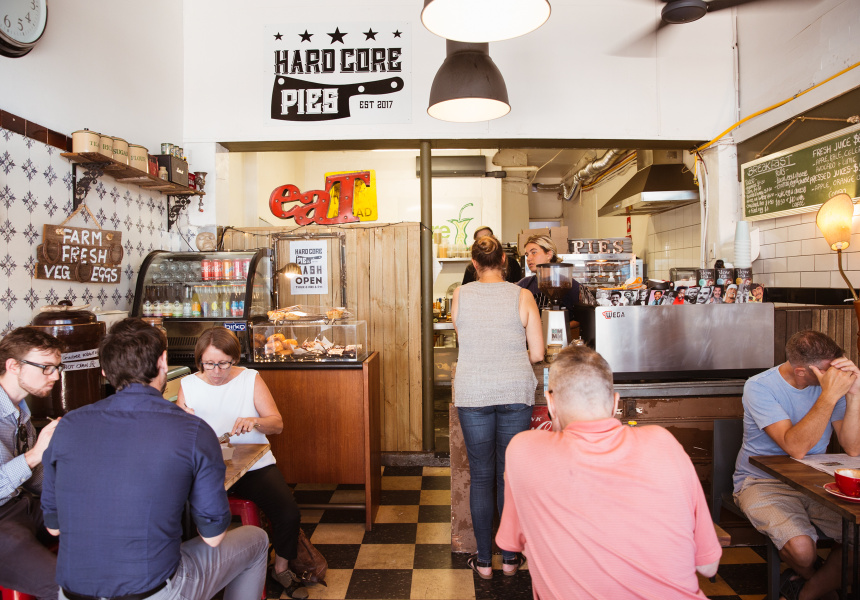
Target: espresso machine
pixel 555 280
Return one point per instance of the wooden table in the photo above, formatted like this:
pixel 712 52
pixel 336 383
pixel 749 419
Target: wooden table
pixel 244 457
pixel 810 482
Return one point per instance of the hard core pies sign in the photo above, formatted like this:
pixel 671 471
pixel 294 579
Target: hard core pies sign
pixel 354 71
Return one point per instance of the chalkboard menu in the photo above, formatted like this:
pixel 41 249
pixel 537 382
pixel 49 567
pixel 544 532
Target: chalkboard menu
pixel 802 178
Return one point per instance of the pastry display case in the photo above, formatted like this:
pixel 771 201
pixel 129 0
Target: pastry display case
pixel 310 341
pixel 195 291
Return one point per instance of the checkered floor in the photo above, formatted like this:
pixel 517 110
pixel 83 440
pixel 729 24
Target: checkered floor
pixel 408 553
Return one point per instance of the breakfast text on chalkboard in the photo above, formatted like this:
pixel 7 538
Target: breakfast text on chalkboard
pixel 802 178
pixel 79 254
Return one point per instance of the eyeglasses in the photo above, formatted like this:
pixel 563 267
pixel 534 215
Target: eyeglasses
pixel 22 440
pixel 223 365
pixel 46 369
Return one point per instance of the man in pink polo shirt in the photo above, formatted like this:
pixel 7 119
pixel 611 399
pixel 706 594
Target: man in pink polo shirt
pixel 603 510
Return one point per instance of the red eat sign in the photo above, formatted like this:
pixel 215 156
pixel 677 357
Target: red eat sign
pixel 287 201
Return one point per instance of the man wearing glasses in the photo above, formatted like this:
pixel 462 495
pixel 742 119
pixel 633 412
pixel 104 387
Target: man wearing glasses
pixel 30 363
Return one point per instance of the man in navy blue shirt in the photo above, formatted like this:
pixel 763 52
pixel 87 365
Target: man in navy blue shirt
pixel 117 476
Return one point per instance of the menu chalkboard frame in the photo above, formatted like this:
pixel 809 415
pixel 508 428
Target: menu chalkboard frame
pixel 800 148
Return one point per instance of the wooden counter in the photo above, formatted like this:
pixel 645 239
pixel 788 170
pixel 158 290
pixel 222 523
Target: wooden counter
pixel 331 425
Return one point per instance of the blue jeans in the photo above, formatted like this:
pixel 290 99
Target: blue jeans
pixel 487 430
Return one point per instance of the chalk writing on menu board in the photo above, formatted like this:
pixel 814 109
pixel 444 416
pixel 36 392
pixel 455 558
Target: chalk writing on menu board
pixel 79 254
pixel 802 178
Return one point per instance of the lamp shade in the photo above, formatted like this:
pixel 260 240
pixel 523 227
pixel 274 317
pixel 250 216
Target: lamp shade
pixel 290 270
pixel 468 86
pixel 834 221
pixel 478 21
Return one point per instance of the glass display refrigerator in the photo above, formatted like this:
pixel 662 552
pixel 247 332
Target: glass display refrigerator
pixel 194 291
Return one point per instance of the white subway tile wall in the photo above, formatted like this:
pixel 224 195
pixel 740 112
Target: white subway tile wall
pixel 35 190
pixel 792 252
pixel 674 240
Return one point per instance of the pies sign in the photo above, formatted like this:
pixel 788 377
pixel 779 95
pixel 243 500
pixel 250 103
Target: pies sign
pixel 79 254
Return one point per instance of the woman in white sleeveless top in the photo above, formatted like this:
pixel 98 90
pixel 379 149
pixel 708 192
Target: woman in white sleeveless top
pixel 494 385
pixel 236 400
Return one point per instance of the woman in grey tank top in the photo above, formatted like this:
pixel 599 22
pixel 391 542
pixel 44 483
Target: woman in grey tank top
pixel 494 385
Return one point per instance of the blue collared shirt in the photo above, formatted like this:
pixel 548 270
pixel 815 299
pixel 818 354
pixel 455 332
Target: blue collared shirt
pixel 15 473
pixel 117 476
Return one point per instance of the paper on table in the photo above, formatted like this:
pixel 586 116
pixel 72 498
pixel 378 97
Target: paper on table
pixel 828 463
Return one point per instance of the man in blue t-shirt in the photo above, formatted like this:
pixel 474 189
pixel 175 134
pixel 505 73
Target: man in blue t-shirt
pixel 793 409
pixel 118 474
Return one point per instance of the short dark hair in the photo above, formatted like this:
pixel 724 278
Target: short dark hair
pixel 810 347
pixel 221 338
pixel 487 252
pixel 22 340
pixel 130 351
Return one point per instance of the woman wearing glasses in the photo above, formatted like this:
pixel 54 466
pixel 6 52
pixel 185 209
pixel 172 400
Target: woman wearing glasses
pixel 235 400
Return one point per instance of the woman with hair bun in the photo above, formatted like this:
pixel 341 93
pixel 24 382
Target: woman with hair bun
pixel 500 336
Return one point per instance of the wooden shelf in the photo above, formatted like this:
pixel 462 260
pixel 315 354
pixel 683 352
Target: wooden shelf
pixel 123 173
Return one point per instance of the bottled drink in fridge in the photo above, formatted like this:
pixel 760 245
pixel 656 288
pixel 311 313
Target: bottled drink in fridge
pixel 187 302
pixel 196 308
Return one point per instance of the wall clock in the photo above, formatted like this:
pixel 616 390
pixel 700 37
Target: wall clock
pixel 22 23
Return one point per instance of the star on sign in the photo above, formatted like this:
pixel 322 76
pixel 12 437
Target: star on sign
pixel 397 33
pixel 337 36
pixel 306 37
pixel 370 34
pixel 278 36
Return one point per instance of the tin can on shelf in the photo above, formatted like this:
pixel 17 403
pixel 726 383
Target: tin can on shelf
pixel 246 266
pixel 239 269
pixel 166 148
pixel 217 269
pixel 227 268
pixel 206 269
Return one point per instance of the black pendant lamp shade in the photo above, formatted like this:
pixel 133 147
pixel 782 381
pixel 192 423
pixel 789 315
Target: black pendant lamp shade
pixel 477 21
pixel 468 86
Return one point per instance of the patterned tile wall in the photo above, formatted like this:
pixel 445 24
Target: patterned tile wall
pixel 36 189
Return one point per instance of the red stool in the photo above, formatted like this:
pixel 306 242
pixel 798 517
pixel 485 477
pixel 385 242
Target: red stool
pixel 13 595
pixel 246 510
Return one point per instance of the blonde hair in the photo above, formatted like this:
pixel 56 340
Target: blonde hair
pixel 545 243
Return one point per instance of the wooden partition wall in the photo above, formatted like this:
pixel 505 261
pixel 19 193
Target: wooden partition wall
pixel 383 287
pixel 838 322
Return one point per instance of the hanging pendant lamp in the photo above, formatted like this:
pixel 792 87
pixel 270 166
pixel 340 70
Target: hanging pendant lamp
pixel 477 21
pixel 468 86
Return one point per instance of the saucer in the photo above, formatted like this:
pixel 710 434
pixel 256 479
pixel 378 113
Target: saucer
pixel 832 488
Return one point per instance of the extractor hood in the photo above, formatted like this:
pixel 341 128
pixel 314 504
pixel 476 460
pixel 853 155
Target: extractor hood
pixel 661 183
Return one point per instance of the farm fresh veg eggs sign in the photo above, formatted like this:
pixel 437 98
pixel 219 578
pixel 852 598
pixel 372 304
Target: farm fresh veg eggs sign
pixel 350 72
pixel 79 254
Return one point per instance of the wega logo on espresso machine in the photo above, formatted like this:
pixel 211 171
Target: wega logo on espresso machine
pixel 613 314
pixel 350 71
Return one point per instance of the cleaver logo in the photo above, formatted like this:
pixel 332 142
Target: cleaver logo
pixel 612 314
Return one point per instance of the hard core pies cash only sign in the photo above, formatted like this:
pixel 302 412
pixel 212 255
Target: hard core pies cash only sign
pixel 354 72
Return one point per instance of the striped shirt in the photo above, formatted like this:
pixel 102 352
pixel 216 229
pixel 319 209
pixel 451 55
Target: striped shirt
pixel 15 473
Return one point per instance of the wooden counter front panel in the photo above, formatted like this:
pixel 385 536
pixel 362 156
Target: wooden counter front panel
pixel 324 416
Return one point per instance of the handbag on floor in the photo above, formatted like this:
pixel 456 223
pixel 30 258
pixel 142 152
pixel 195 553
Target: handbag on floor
pixel 309 565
